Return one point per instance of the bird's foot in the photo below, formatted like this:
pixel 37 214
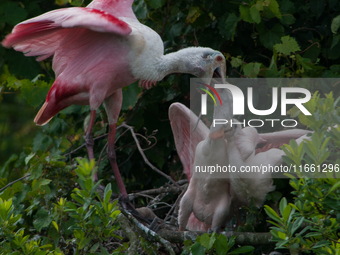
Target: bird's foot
pixel 126 204
pixel 89 141
pixel 146 84
pixel 216 230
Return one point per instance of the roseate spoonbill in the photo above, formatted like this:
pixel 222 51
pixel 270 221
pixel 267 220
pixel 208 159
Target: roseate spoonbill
pixel 207 197
pixel 215 200
pixel 96 51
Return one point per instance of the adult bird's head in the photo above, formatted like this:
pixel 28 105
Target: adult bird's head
pixel 205 63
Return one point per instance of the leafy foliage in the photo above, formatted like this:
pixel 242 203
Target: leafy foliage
pixel 214 243
pixel 75 225
pixel 311 222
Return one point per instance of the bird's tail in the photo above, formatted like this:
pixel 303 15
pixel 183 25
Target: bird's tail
pixel 41 118
pixel 195 225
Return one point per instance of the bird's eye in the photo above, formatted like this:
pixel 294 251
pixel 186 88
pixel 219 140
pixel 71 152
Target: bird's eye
pixel 219 58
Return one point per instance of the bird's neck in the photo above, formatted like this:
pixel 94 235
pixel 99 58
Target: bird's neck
pixel 175 62
pixel 158 67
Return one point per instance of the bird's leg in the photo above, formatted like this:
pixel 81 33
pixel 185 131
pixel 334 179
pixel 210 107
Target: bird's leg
pixel 112 106
pixel 123 195
pixel 111 153
pixel 89 139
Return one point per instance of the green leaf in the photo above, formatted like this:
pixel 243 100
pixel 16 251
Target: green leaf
pixel 107 193
pixel 245 13
pixel 175 31
pixel 334 187
pixel 43 219
pixel 255 14
pixel 283 204
pixel 242 249
pixel 12 12
pixel 140 9
pixel 155 4
pixel 36 184
pixel 55 225
pixel 197 249
pixel 236 62
pixel 287 9
pixel 317 7
pixel 272 9
pixel 104 251
pixel 228 28
pixel 288 46
pixel 41 142
pixel 130 96
pixel 251 69
pixel 193 14
pixel 34 93
pixel 36 171
pixel 286 213
pixel 221 245
pixel 272 214
pixel 29 157
pixel 270 37
pixel 335 24
pixel 205 241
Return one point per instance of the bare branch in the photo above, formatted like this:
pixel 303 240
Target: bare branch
pixel 134 240
pixel 145 158
pixel 242 238
pixel 175 204
pixel 148 232
pixel 11 183
pixel 158 191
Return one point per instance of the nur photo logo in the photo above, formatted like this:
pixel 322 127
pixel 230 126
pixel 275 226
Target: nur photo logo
pixel 281 98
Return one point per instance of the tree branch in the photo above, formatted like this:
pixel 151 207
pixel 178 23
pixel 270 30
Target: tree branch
pixel 11 183
pixel 144 157
pixel 242 238
pixel 145 231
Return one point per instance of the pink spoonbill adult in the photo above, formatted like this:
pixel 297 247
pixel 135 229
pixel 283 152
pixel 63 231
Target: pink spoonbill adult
pixel 97 50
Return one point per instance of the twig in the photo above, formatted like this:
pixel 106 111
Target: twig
pixel 71 146
pixel 101 154
pixel 309 47
pixel 159 203
pixel 147 139
pixel 94 139
pixel 145 158
pixel 175 204
pixel 11 183
pixel 158 191
pixel 127 158
pixel 148 232
pixel 306 28
pixel 166 18
pixel 142 195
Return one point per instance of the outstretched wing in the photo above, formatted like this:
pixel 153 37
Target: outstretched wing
pixel 181 118
pixel 41 36
pixel 118 8
pixel 277 139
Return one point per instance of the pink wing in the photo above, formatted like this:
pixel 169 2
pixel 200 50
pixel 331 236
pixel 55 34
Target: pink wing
pixel 181 118
pixel 277 139
pixel 118 8
pixel 41 36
